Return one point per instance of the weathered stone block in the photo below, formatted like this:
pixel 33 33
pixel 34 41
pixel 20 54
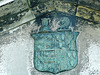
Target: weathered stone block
pixel 70 1
pixel 14 7
pixel 65 7
pixel 88 14
pixel 84 12
pixel 96 16
pixel 10 17
pixel 95 4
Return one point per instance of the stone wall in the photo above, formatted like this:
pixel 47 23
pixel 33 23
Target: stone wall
pixel 17 50
pixel 13 12
pixel 17 45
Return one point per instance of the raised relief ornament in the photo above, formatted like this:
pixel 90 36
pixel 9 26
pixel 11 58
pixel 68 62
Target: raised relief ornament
pixel 55 51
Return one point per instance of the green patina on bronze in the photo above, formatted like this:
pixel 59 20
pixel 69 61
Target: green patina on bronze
pixel 55 51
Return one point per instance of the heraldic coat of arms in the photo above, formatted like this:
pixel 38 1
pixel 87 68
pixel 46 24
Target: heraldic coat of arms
pixel 55 51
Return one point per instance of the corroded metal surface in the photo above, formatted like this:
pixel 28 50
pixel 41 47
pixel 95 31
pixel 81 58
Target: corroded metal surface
pixel 55 51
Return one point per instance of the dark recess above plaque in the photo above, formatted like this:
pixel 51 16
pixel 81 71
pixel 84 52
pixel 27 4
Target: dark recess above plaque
pixel 34 3
pixel 70 1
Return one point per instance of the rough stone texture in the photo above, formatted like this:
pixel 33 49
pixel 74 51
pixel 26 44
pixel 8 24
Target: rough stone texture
pixel 8 20
pixel 12 12
pixel 70 1
pixel 23 18
pixel 34 3
pixel 65 7
pixel 17 52
pixel 14 7
pixel 94 4
pixel 90 43
pixel 15 11
pixel 43 8
pixel 88 14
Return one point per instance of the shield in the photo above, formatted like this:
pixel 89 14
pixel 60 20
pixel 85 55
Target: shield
pixel 55 51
